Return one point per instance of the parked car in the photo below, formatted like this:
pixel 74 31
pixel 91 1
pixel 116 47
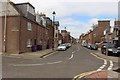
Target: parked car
pixel 103 48
pixel 84 44
pixel 94 47
pixel 110 49
pixel 62 47
pixel 89 46
pixel 68 45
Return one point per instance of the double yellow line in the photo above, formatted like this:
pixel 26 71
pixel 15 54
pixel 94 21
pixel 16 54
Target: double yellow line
pixel 78 77
pixel 97 56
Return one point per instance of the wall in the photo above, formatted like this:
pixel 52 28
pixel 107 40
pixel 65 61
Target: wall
pixel 12 34
pixel 26 34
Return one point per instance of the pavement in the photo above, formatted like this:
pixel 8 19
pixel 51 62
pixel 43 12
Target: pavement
pixel 113 58
pixel 104 74
pixel 32 55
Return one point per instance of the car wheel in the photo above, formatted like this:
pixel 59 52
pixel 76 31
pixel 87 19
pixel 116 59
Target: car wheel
pixel 102 52
pixel 109 53
pixel 117 55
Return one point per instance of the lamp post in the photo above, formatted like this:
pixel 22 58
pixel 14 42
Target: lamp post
pixel 54 16
pixel 53 29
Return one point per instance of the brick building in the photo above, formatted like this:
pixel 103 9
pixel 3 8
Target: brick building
pixel 22 33
pixel 81 38
pixel 47 23
pixel 97 34
pixel 66 36
pixel 116 39
pixel 60 38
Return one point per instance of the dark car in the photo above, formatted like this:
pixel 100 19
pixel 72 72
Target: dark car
pixel 89 46
pixel 110 49
pixel 93 47
pixel 103 48
pixel 84 44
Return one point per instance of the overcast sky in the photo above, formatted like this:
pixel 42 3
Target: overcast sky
pixel 76 15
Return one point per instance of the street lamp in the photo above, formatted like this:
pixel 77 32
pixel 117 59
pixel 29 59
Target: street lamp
pixel 54 16
pixel 53 29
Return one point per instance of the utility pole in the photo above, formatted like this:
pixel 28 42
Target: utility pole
pixel 53 42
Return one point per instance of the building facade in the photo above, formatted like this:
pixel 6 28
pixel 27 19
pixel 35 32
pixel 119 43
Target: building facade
pixel 21 32
pixel 116 39
pixel 56 33
pixel 96 35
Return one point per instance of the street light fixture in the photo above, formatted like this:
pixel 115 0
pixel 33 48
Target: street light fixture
pixel 54 16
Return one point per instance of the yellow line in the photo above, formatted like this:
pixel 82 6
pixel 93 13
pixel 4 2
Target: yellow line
pixel 87 73
pixel 97 56
pixel 83 75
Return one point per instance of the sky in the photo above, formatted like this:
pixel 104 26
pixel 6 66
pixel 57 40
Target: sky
pixel 76 15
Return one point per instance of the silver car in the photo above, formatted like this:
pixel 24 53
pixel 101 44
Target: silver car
pixel 62 47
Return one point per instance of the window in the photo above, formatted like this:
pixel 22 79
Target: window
pixel 56 28
pixel 29 26
pixel 30 9
pixel 56 35
pixel 29 43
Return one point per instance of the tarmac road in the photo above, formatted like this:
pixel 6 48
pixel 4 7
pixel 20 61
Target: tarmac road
pixel 63 64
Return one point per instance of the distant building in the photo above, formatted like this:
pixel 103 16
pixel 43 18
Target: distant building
pixel 60 38
pixel 67 38
pixel 81 39
pixel 97 34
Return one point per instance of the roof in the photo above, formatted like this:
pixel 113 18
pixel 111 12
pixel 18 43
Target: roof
pixel 25 3
pixel 103 20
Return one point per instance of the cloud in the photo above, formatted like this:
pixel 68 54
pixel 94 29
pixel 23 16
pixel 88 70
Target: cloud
pixel 66 9
pixel 77 27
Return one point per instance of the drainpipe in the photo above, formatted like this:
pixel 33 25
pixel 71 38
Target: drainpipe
pixel 5 26
pixel 20 31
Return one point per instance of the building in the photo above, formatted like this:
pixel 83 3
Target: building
pixel 97 34
pixel 47 23
pixel 21 32
pixel 67 38
pixel 56 33
pixel 99 31
pixel 116 39
pixel 60 38
pixel 81 38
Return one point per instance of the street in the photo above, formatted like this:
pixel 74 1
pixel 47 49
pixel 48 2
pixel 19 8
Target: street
pixel 62 64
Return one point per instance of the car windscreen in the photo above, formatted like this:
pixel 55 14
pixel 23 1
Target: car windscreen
pixel 110 45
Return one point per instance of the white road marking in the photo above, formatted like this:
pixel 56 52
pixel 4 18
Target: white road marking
pixel 73 52
pixel 103 66
pixel 71 57
pixel 28 64
pixel 37 64
pixel 111 65
pixel 55 62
